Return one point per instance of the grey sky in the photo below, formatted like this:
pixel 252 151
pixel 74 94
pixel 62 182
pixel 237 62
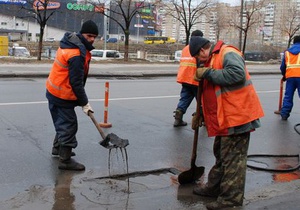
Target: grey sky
pixel 232 2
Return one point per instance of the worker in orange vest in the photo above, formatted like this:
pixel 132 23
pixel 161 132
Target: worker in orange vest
pixel 65 91
pixel 290 70
pixel 185 77
pixel 231 110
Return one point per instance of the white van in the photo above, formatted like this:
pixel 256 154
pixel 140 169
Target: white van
pixel 177 55
pixel 98 55
pixel 18 51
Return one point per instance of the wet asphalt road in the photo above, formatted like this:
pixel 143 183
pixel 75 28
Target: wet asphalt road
pixel 140 110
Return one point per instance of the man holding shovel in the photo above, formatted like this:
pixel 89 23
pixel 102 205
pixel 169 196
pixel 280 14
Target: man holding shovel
pixel 65 91
pixel 231 110
pixel 189 86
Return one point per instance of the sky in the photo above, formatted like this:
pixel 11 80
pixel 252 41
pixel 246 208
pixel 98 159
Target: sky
pixel 232 2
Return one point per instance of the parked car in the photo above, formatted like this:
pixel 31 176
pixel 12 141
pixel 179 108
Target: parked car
pixel 49 39
pixel 112 40
pixel 260 56
pixel 18 51
pixel 177 55
pixel 98 55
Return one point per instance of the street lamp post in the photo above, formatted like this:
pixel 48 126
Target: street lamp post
pixel 138 28
pixel 104 31
pixel 241 24
pixel 105 24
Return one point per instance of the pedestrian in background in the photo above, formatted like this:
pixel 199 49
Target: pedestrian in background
pixel 231 110
pixel 290 70
pixel 65 91
pixel 185 77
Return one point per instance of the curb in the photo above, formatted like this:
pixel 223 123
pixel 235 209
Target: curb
pixel 105 75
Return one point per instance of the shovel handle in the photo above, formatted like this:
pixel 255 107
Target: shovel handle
pixel 91 115
pixel 195 143
pixel 280 95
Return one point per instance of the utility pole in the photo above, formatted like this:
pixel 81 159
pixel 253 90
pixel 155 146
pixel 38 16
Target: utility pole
pixel 241 25
pixel 105 20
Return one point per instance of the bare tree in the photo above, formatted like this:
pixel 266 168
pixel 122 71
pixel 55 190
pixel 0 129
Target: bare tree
pixel 290 24
pixel 37 9
pixel 121 12
pixel 188 13
pixel 219 19
pixel 251 17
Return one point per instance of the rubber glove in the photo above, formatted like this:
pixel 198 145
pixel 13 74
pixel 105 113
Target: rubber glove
pixel 87 108
pixel 200 72
pixel 197 121
pixel 283 78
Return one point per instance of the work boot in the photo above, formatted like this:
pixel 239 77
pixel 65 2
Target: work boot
pixel 66 162
pixel 205 191
pixel 55 151
pixel 221 205
pixel 178 114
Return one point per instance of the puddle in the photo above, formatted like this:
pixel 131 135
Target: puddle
pixel 285 168
pixel 121 185
pixel 112 190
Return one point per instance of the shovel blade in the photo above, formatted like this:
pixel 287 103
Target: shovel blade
pixel 191 175
pixel 114 141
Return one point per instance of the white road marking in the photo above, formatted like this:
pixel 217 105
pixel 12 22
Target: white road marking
pixel 117 99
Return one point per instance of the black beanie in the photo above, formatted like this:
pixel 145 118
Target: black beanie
pixel 89 27
pixel 197 33
pixel 296 39
pixel 196 43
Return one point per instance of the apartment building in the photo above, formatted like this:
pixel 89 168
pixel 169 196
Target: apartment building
pixel 275 18
pixel 219 22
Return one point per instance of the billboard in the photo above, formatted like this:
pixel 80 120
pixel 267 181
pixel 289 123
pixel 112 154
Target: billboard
pixel 38 4
pixel 12 1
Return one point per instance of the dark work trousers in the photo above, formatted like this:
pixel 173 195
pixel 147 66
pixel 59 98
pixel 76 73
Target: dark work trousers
pixel 228 175
pixel 187 94
pixel 291 85
pixel 66 126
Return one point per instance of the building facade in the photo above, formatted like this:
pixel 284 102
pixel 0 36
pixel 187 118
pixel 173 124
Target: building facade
pixel 219 22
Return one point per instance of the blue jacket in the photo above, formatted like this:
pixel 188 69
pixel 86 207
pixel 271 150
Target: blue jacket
pixel 294 49
pixel 77 81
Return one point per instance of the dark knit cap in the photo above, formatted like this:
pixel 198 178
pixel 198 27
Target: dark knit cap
pixel 296 39
pixel 89 27
pixel 197 33
pixel 196 43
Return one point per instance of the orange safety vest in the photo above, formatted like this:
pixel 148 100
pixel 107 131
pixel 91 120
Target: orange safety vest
pixel 228 107
pixel 292 65
pixel 187 68
pixel 58 83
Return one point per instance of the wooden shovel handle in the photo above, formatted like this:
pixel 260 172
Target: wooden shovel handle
pixel 91 115
pixel 195 143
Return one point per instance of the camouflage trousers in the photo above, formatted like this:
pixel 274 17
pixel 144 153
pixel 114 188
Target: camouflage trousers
pixel 227 177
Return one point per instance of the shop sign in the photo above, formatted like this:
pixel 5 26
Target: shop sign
pixel 147 17
pixel 82 7
pixel 146 11
pixel 39 5
pixel 13 2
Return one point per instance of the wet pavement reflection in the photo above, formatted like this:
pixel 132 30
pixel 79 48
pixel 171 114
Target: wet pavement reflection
pixel 63 197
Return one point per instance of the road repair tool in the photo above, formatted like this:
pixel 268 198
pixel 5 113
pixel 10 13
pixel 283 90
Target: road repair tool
pixel 280 97
pixel 106 124
pixel 195 172
pixel 110 140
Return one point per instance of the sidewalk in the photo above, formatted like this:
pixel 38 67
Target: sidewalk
pixel 119 70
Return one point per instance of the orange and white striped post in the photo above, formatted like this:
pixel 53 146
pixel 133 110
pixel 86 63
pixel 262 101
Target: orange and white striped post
pixel 105 124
